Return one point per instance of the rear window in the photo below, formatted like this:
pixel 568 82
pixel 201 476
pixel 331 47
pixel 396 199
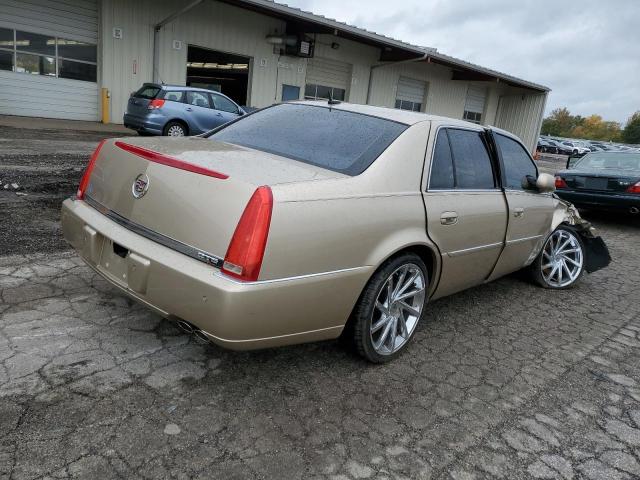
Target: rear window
pixel 344 142
pixel 610 161
pixel 147 91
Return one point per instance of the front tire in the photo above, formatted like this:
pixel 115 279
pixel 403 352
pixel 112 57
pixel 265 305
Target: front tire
pixel 390 308
pixel 560 264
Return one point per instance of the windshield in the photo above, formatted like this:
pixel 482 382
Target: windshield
pixel 610 161
pixel 337 140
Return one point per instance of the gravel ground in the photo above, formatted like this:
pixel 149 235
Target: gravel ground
pixel 505 380
pixel 47 166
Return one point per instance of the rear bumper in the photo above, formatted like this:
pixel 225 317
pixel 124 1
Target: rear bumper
pixel 148 124
pixel 233 314
pixel 600 200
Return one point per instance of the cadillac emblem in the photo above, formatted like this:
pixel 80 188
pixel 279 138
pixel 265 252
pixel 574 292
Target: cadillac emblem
pixel 140 185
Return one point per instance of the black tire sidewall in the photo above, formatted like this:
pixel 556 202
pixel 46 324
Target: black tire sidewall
pixel 366 303
pixel 537 264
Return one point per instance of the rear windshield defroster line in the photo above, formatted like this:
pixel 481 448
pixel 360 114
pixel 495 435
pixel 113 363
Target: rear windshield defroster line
pixel 338 140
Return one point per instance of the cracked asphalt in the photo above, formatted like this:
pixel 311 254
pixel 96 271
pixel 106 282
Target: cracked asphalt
pixel 505 380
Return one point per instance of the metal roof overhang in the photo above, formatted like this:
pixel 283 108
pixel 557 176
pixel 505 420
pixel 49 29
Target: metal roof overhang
pixel 392 50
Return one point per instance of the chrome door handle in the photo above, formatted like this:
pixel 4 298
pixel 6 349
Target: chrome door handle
pixel 449 218
pixel 189 109
pixel 518 212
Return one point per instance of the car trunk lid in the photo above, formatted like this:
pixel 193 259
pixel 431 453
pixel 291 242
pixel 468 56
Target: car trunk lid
pixel 614 181
pixel 191 190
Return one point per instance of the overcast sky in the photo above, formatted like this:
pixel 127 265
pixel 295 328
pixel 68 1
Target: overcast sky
pixel 586 51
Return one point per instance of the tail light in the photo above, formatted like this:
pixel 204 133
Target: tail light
pixel 634 188
pixel 155 104
pixel 84 181
pixel 246 250
pixel 560 183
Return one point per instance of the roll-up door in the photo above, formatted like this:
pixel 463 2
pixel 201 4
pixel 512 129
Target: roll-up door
pixel 327 77
pixel 474 104
pixel 410 94
pixel 48 58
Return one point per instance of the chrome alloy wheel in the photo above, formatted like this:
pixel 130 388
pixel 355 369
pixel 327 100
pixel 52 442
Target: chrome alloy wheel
pixel 398 308
pixel 175 131
pixel 562 259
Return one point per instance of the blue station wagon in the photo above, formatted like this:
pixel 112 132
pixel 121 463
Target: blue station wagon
pixel 178 111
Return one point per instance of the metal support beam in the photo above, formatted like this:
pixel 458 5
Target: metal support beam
pixel 156 34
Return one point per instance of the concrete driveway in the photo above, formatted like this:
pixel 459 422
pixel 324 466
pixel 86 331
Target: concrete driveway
pixel 506 380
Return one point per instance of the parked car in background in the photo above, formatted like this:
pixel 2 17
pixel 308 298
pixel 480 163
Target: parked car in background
pixel 574 148
pixel 602 180
pixel 307 220
pixel 176 111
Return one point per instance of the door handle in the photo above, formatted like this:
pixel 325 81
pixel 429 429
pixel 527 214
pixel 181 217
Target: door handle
pixel 518 212
pixel 219 114
pixel 449 218
pixel 189 109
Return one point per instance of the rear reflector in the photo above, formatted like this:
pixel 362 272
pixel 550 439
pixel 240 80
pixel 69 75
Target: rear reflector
pixel 155 104
pixel 634 188
pixel 560 183
pixel 84 181
pixel 169 161
pixel 246 250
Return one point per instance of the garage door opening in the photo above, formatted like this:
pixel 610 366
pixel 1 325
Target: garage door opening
pixel 219 71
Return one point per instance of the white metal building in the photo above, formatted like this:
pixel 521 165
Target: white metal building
pixel 57 55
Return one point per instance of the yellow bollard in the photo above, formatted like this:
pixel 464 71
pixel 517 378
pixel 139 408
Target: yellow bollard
pixel 105 105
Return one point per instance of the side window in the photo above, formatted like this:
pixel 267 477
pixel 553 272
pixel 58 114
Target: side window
pixel 173 96
pixel 472 162
pixel 199 99
pixel 442 164
pixel 223 104
pixel 516 160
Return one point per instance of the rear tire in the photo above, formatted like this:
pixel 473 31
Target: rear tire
pixel 390 308
pixel 561 261
pixel 175 129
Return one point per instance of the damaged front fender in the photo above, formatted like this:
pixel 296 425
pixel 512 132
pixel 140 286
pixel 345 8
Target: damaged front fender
pixel 596 252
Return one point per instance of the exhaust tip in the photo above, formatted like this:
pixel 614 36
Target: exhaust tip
pixel 201 337
pixel 634 210
pixel 185 326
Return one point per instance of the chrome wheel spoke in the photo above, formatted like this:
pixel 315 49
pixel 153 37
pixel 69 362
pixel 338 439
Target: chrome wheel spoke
pixel 562 259
pixel 400 302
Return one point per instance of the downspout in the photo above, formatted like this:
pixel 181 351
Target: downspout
pixel 156 35
pixel 411 60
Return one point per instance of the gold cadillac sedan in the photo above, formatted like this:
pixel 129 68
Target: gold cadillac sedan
pixel 307 220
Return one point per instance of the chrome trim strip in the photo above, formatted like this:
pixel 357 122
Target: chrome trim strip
pixel 524 239
pixel 285 279
pixel 467 251
pixel 168 242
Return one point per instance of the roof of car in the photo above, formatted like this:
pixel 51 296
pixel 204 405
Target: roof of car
pixel 394 114
pixel 181 88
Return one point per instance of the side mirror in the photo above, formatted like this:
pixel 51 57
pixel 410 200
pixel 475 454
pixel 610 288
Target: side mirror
pixel 571 161
pixel 546 183
pixel 529 182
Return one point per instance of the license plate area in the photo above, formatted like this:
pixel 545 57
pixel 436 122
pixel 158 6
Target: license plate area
pixel 596 183
pixel 113 261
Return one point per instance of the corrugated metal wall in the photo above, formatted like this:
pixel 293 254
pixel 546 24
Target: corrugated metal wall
pixel 40 95
pixel 521 114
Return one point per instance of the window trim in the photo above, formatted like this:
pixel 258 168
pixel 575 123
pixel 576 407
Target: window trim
pixel 316 85
pixel 503 181
pixel 496 170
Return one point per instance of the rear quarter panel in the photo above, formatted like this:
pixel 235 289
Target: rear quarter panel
pixel 328 225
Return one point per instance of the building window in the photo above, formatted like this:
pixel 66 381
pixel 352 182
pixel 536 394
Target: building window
pixel 315 92
pixel 408 105
pixel 26 52
pixel 473 117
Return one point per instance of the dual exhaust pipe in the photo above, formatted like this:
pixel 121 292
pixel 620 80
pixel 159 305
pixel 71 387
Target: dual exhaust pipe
pixel 187 327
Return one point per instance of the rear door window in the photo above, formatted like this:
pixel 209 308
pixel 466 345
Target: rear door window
pixel 516 162
pixel 442 175
pixel 223 104
pixel 473 168
pixel 338 140
pixel 147 91
pixel 173 96
pixel 198 99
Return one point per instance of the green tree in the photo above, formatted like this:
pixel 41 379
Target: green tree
pixel 560 122
pixel 631 132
